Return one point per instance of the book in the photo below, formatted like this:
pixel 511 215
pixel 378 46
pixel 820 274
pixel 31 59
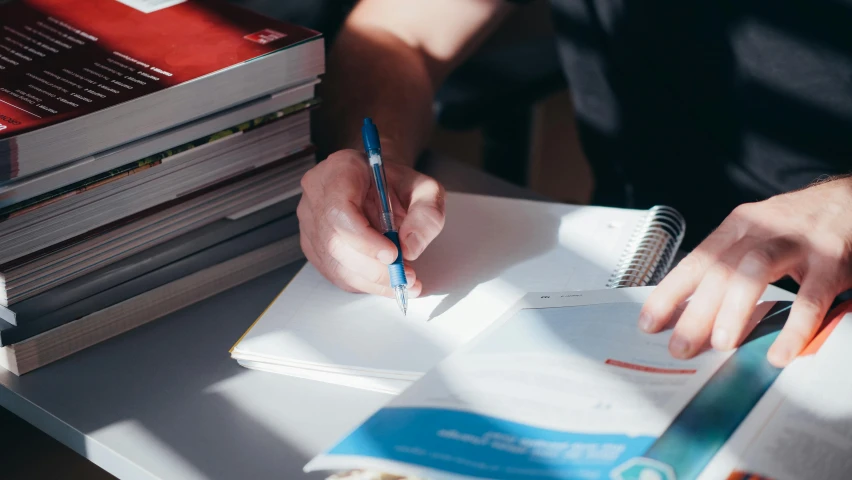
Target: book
pixel 185 227
pixel 126 159
pixel 491 252
pixel 51 307
pixel 31 204
pixel 137 277
pixel 565 386
pixel 229 204
pixel 78 77
pixel 70 338
pixel 279 145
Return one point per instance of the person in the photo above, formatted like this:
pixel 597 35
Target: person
pixel 737 113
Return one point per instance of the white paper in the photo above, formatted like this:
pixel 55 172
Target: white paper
pixel 491 252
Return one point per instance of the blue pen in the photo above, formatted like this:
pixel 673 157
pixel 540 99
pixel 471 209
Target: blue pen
pixel 370 136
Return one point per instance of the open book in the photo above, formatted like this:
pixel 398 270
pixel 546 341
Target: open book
pixel 491 252
pixel 565 386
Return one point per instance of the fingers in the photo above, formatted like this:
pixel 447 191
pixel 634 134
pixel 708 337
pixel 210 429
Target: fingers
pixel 368 268
pixel 809 309
pixel 694 326
pixel 366 279
pixel 767 262
pixel 343 222
pixel 336 191
pixel 685 278
pixel 424 218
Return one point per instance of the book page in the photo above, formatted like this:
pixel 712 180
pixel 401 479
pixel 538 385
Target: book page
pixel 567 387
pixel 802 428
pixel 491 252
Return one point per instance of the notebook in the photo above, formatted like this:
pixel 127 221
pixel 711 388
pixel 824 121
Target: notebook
pixel 565 387
pixel 490 253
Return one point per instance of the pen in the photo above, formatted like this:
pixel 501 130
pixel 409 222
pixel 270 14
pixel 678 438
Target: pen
pixel 370 137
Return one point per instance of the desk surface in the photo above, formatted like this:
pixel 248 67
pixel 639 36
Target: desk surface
pixel 166 400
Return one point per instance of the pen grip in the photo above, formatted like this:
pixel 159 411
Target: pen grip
pixel 396 269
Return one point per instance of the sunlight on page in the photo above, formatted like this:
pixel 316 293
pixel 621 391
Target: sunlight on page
pixel 597 350
pixel 492 251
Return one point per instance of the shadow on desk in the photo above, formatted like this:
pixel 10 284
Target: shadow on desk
pixel 28 453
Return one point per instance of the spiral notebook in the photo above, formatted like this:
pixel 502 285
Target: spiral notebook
pixel 490 253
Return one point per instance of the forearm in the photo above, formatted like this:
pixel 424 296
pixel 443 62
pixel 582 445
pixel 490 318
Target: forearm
pixel 386 64
pixel 376 74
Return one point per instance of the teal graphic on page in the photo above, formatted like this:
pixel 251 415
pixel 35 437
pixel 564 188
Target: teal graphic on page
pixel 565 386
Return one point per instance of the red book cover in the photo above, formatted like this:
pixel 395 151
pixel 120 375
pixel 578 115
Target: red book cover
pixel 61 59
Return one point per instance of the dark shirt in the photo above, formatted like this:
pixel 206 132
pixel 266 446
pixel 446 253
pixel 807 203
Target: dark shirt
pixel 707 104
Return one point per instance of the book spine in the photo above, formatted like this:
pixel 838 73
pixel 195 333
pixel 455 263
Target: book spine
pixel 307 152
pixel 45 199
pixel 651 250
pixel 102 325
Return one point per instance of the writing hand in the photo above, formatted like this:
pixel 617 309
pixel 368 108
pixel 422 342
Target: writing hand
pixel 339 215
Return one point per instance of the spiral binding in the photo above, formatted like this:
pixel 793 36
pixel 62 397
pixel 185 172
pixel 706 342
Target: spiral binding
pixel 651 249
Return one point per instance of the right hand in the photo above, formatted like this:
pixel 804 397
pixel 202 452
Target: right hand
pixel 339 219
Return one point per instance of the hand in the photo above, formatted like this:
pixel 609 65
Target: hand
pixel 805 234
pixel 339 218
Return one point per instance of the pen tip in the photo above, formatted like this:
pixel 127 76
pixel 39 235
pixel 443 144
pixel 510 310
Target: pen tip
pixel 401 294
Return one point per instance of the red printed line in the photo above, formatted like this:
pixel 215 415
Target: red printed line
pixel 737 475
pixel 644 368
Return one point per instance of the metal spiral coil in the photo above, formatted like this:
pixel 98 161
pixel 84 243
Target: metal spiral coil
pixel 651 249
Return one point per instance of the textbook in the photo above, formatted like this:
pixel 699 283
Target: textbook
pixel 490 253
pixel 180 176
pixel 158 301
pixel 125 159
pixel 565 386
pixel 78 77
pixel 194 251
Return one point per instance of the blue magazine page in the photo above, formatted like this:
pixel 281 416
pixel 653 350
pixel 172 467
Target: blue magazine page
pixel 565 386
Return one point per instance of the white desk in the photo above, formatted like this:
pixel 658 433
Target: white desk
pixel 166 400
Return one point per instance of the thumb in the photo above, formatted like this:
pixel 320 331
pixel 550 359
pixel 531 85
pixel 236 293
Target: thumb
pixel 424 218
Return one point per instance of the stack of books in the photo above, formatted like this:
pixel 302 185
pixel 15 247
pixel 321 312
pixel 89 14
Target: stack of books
pixel 150 157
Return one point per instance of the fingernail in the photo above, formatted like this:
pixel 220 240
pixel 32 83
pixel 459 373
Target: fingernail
pixel 721 340
pixel 646 321
pixel 780 356
pixel 386 256
pixel 679 346
pixel 414 244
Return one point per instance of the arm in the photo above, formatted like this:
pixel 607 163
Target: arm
pixel 387 62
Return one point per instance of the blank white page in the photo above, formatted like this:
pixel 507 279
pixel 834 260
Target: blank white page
pixel 491 252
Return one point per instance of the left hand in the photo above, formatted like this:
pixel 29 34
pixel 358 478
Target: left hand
pixel 805 234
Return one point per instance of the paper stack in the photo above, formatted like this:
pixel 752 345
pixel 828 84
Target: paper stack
pixel 150 157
